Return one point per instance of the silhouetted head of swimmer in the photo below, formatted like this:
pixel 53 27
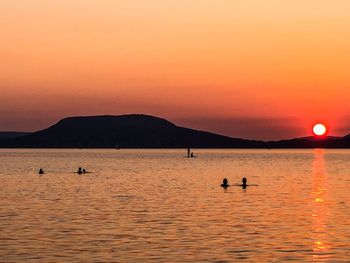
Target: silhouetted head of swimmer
pixel 244 181
pixel 224 183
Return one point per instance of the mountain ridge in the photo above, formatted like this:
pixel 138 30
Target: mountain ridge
pixel 127 131
pixel 146 131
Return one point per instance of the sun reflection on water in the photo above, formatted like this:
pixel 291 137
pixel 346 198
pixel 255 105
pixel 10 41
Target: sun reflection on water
pixel 320 209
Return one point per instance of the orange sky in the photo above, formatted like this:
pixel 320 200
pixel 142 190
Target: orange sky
pixel 264 69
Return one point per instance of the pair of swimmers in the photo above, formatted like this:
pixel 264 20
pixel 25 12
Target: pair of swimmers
pixel 244 183
pixel 81 171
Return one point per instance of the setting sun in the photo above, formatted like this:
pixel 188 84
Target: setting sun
pixel 319 129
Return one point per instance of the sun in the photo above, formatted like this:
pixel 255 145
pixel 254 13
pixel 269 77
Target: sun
pixel 319 129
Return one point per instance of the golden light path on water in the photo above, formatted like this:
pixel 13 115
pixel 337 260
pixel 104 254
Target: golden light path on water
pixel 320 209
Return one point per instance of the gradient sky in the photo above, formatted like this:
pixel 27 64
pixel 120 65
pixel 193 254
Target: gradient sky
pixel 264 69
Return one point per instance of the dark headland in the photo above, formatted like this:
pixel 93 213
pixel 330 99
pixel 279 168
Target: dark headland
pixel 4 135
pixel 144 131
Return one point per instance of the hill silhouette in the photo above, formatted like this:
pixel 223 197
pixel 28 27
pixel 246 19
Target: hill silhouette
pixel 145 131
pixel 4 135
pixel 312 142
pixel 126 131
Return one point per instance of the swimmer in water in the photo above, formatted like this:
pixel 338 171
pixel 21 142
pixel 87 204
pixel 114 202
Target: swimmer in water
pixel 80 171
pixel 244 181
pixel 41 171
pixel 225 183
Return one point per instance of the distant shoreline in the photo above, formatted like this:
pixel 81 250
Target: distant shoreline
pixel 139 131
pixel 155 148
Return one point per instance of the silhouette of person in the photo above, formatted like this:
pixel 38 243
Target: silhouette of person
pixel 41 171
pixel 84 171
pixel 192 154
pixel 225 183
pixel 80 171
pixel 188 152
pixel 244 182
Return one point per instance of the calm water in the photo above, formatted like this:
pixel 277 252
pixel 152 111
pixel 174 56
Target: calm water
pixel 157 206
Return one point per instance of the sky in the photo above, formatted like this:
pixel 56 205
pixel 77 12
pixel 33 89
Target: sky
pixel 258 69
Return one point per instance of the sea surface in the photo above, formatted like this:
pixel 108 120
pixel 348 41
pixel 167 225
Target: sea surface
pixel 158 206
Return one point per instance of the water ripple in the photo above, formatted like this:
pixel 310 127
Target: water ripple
pixel 156 206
